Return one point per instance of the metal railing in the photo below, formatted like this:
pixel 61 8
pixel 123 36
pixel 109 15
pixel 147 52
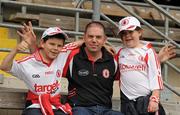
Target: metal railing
pixel 157 31
pixel 146 23
pixel 96 17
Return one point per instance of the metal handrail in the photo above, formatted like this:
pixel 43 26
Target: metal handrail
pixel 135 3
pixel 147 24
pixel 154 29
pixel 163 11
pixel 80 33
pixel 171 89
pixel 173 66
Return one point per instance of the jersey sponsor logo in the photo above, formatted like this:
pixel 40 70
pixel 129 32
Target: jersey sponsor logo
pixel 131 54
pixel 140 67
pixel 48 72
pixel 106 73
pixel 35 76
pixel 52 88
pixel 141 58
pixel 58 73
pixel 83 72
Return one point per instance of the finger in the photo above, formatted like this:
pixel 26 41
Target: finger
pixel 33 34
pixel 24 45
pixel 172 55
pixel 23 30
pixel 163 48
pixel 171 48
pixel 20 34
pixel 30 25
pixel 20 48
pixel 26 28
pixel 31 29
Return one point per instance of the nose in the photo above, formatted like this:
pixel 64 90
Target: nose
pixel 56 47
pixel 94 39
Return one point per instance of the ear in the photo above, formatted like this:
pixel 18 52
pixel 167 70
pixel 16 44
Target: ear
pixel 105 39
pixel 141 31
pixel 84 36
pixel 41 43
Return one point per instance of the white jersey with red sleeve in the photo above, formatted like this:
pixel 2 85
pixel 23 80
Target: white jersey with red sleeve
pixel 140 71
pixel 39 76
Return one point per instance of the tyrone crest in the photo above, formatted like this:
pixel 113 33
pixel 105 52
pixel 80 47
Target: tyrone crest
pixel 106 73
pixel 58 73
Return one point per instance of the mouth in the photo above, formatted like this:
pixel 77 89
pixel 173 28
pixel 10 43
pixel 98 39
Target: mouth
pixel 127 40
pixel 54 53
pixel 93 46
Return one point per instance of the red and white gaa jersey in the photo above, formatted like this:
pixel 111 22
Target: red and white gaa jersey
pixel 140 71
pixel 40 77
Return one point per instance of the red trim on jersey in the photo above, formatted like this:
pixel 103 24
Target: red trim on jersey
pixel 156 59
pixel 117 55
pixel 45 101
pixel 48 64
pixel 71 55
pixel 160 82
pixel 69 46
pixel 37 55
pixel 25 59
pixel 72 92
pixel 146 58
pixel 149 45
pixel 117 77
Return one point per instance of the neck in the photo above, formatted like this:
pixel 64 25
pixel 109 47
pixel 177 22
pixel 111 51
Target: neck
pixel 44 57
pixel 93 56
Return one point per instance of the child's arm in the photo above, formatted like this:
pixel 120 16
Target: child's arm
pixel 6 64
pixel 155 79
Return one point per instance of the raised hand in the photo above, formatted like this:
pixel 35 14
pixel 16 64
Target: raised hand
pixel 22 46
pixel 27 34
pixel 166 53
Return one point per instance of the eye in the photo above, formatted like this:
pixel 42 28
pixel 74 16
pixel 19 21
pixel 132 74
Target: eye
pixel 90 36
pixel 98 37
pixel 52 44
pixel 60 45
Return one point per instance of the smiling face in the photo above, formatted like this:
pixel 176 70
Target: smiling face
pixel 131 39
pixel 51 48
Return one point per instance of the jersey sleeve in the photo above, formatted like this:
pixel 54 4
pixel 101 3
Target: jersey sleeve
pixel 154 70
pixel 69 62
pixel 16 70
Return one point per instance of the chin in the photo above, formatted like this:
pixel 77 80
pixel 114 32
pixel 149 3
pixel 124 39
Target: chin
pixel 53 57
pixel 130 45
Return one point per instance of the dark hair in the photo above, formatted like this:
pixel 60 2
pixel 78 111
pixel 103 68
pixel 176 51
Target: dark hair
pixel 122 33
pixel 92 23
pixel 58 36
